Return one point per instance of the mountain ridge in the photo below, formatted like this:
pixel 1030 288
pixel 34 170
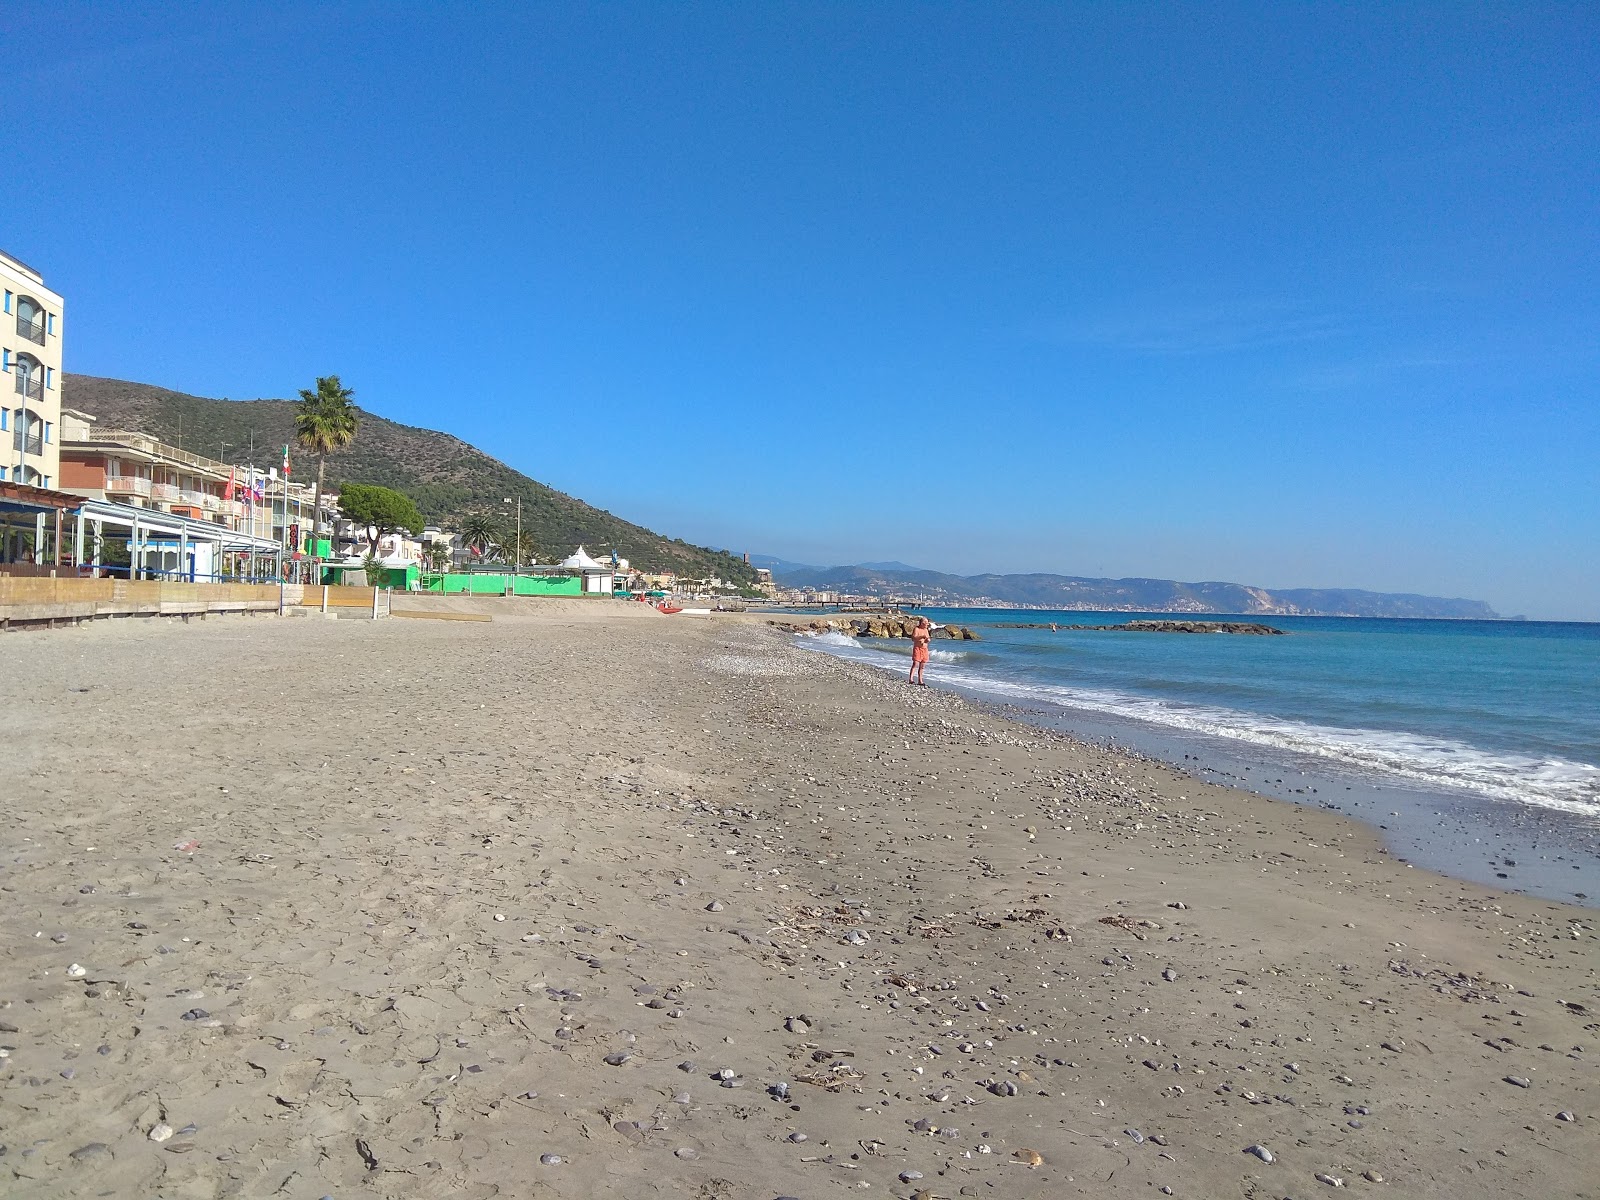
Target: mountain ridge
pixel 1082 594
pixel 447 477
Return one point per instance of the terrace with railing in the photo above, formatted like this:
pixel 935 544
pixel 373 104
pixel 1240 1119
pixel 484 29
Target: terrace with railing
pixel 150 446
pixel 32 329
pixel 127 485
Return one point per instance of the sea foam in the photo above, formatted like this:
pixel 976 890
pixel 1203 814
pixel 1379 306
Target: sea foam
pixel 1549 782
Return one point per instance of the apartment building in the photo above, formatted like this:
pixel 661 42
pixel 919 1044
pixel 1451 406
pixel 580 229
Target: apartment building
pixel 30 376
pixel 134 469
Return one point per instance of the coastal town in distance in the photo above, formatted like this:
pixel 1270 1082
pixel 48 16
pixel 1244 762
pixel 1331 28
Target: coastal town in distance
pixel 921 601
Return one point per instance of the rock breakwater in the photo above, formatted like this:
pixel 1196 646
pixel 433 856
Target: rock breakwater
pixel 878 627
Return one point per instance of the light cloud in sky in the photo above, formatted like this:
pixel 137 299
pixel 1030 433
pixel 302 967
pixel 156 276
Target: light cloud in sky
pixel 1197 329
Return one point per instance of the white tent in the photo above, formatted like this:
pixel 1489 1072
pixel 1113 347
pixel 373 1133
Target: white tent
pixel 597 577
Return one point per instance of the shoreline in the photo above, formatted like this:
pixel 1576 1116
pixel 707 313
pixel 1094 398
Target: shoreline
pixel 476 893
pixel 1497 841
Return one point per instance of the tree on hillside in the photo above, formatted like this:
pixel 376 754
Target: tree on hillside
pixel 480 531
pixel 379 510
pixel 324 421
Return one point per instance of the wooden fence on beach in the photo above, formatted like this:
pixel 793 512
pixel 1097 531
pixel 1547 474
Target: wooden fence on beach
pixel 31 600
pixel 36 600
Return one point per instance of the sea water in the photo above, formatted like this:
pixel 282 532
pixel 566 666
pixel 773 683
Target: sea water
pixel 1474 745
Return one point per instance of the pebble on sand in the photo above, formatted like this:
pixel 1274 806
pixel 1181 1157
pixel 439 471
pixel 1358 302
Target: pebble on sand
pixel 161 1132
pixel 1262 1153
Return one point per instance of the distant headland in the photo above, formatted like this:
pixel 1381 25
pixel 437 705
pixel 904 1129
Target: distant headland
pixel 899 583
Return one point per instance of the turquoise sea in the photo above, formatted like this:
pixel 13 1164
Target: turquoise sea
pixel 1454 736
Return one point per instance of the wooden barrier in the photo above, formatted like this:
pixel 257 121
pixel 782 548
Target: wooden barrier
pixel 339 596
pixel 34 600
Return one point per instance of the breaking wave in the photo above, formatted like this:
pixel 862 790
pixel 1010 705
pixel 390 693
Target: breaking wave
pixel 1548 781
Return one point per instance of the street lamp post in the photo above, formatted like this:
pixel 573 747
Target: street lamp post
pixel 516 549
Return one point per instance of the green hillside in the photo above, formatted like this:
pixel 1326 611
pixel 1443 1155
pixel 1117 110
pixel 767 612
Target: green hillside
pixel 445 476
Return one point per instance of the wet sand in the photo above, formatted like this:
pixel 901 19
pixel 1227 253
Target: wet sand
pixel 424 908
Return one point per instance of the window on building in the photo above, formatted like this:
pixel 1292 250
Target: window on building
pixel 46 482
pixel 28 432
pixel 30 320
pixel 5 360
pixel 5 419
pixel 30 376
pixel 50 323
pixel 2 474
pixel 8 301
pixel 49 432
pixel 50 377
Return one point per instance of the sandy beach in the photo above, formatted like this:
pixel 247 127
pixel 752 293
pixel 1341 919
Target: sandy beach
pixel 589 901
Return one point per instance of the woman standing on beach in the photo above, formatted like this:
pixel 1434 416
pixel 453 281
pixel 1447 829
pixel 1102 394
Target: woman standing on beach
pixel 920 637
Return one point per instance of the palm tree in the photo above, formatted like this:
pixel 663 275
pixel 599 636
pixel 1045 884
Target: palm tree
pixel 527 551
pixel 479 530
pixel 325 421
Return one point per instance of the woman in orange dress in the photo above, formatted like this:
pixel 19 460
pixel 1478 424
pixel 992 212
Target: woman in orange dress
pixel 920 637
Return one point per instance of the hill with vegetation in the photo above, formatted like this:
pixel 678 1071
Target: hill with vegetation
pixel 448 478
pixel 1075 593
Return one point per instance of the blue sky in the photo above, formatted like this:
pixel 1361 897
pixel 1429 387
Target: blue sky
pixel 1292 295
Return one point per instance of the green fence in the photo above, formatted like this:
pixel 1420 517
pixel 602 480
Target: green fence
pixel 496 585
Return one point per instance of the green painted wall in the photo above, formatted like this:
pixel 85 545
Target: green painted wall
pixel 398 578
pixel 495 585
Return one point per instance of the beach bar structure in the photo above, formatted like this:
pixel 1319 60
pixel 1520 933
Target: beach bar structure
pixel 598 579
pixel 165 545
pixel 36 526
pixel 44 532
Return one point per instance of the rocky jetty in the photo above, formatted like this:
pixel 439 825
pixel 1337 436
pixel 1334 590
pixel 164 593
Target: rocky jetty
pixel 1247 627
pixel 892 626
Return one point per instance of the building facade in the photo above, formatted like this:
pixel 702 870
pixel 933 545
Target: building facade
pixel 134 469
pixel 30 376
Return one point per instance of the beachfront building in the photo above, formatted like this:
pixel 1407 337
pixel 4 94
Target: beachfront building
pixel 36 526
pixel 30 376
pixel 134 469
pixel 598 578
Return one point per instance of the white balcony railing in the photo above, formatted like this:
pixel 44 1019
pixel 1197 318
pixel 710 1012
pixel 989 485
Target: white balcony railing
pixel 166 492
pixel 127 485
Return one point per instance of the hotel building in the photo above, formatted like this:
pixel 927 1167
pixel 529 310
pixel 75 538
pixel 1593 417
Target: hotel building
pixel 30 377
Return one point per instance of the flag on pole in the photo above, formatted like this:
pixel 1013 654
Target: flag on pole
pixel 286 462
pixel 227 492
